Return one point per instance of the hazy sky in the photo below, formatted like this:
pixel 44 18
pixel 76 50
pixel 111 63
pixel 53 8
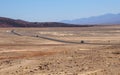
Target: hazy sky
pixel 56 10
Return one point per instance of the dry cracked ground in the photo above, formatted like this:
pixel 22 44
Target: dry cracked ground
pixel 99 54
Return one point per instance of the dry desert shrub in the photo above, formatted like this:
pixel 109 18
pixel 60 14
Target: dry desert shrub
pixel 116 52
pixel 82 41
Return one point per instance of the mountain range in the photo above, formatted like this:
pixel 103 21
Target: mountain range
pixel 106 19
pixel 102 19
pixel 8 22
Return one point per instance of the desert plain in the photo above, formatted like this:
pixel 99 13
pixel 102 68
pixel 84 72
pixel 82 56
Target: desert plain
pixel 91 50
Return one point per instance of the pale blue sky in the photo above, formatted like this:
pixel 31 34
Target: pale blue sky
pixel 56 10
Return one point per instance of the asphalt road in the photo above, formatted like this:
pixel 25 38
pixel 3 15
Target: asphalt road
pixel 58 40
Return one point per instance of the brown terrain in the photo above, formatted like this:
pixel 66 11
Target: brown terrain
pixel 60 51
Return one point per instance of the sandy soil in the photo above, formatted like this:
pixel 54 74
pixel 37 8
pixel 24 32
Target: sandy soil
pixel 25 55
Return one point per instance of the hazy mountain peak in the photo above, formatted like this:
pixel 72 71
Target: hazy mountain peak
pixel 102 19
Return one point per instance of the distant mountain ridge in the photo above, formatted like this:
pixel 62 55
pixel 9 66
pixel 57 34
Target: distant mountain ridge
pixel 7 22
pixel 102 19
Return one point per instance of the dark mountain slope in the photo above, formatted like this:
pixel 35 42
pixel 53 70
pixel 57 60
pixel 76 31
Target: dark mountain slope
pixel 7 22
